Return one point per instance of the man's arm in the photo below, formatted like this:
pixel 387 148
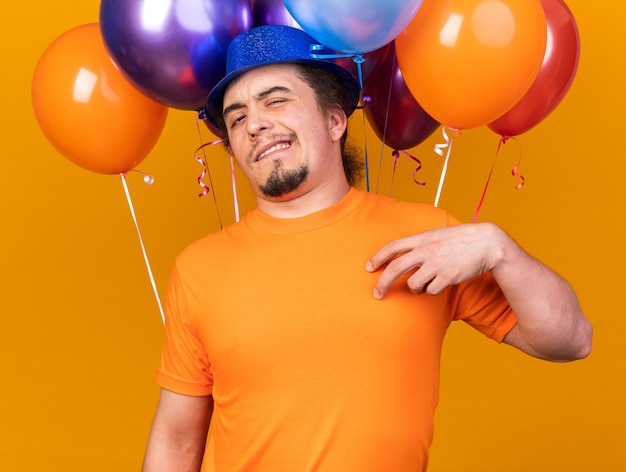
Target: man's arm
pixel 550 322
pixel 178 434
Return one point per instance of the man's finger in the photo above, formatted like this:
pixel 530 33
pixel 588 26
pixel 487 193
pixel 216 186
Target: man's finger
pixel 390 251
pixel 394 270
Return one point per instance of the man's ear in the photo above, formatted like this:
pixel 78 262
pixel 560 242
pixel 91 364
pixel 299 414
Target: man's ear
pixel 338 122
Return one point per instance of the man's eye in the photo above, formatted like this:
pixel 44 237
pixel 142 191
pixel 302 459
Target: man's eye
pixel 276 101
pixel 236 120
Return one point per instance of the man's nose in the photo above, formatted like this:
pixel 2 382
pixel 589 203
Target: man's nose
pixel 257 122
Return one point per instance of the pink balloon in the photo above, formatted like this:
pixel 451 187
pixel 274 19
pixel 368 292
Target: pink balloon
pixel 396 118
pixel 555 76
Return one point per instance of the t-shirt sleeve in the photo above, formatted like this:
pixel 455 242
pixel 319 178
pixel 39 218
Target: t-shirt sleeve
pixel 184 367
pixel 481 303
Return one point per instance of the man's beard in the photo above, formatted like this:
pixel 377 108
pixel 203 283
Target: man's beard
pixel 281 181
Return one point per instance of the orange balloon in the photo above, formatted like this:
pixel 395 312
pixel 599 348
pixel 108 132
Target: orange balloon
pixel 88 111
pixel 467 62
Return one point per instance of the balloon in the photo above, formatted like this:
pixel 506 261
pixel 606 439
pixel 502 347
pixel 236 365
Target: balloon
pixel 353 26
pixel 555 76
pixel 274 12
pixel 173 50
pixel 369 66
pixel 396 118
pixel 202 117
pixel 88 110
pixel 469 61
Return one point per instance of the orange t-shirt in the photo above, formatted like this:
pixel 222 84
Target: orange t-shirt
pixel 276 320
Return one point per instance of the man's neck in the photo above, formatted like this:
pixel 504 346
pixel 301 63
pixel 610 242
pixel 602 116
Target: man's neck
pixel 305 204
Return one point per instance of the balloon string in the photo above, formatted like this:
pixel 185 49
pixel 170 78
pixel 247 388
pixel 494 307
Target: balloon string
pixel 366 154
pixel 204 186
pixel 315 52
pixel 234 183
pixel 515 169
pixel 205 172
pixel 439 150
pixel 396 156
pixel 148 181
pixel 367 100
pixel 482 197
pixel 514 172
pixel 359 60
pixel 232 172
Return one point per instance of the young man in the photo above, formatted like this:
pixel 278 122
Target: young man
pixel 309 334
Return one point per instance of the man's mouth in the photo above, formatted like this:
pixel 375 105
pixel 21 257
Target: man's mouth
pixel 275 147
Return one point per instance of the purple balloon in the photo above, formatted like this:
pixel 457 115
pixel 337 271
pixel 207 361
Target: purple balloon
pixel 369 66
pixel 272 12
pixel 396 118
pixel 175 51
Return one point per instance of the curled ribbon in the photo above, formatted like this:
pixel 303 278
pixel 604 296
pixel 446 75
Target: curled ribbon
pixel 439 149
pixel 205 171
pixel 205 187
pixel 147 178
pixel 514 172
pixel 396 156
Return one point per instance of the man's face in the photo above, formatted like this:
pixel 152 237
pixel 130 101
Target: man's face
pixel 283 142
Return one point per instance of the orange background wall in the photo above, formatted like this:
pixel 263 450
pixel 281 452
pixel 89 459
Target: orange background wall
pixel 80 327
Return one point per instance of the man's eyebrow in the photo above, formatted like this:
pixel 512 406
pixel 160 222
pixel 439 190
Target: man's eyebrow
pixel 231 108
pixel 271 90
pixel 260 96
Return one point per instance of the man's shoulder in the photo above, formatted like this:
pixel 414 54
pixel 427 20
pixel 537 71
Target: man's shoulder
pixel 210 245
pixel 393 208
